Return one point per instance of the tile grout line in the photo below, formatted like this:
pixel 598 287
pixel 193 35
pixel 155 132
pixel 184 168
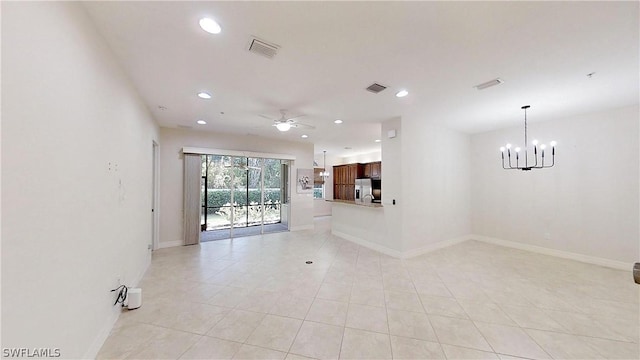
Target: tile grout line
pixel 386 310
pixel 425 310
pixel 309 309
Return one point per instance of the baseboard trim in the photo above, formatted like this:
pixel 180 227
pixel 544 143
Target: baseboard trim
pixel 168 244
pixel 104 333
pixel 435 246
pixel 373 246
pixel 614 264
pixel 302 227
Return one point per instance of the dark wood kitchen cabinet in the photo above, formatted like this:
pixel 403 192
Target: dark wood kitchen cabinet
pixel 344 178
pixel 376 170
pixel 367 170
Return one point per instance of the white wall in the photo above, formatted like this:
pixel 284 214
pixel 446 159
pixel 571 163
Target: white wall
pixel 362 158
pixel 392 169
pixel 77 163
pixel 586 204
pixel 320 206
pixel 378 228
pixel 171 174
pixel 435 183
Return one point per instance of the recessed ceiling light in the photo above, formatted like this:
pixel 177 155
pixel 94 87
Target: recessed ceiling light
pixel 204 95
pixel 209 25
pixel 402 93
pixel 378 140
pixel 201 122
pixel 338 121
pixel 304 136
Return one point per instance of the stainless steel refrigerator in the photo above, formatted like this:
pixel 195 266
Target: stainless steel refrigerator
pixel 363 191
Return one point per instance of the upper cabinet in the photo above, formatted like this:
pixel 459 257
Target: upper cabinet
pixel 366 170
pixel 376 170
pixel 344 177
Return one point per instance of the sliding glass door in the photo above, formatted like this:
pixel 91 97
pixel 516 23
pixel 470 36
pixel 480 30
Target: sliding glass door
pixel 239 193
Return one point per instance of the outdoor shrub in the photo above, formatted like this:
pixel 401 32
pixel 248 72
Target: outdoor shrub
pixel 218 197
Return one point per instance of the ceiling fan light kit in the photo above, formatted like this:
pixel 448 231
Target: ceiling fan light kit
pixel 526 167
pixel 283 126
pixel 285 123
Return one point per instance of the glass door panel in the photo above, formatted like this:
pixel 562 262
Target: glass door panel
pixel 239 189
pixel 272 191
pixel 239 193
pixel 218 202
pixel 254 191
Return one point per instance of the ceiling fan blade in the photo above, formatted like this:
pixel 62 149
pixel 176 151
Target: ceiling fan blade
pixel 305 126
pixel 265 116
pixel 296 117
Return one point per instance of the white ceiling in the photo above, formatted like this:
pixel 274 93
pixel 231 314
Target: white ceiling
pixel 331 51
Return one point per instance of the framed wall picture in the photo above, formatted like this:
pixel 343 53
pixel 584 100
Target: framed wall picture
pixel 304 181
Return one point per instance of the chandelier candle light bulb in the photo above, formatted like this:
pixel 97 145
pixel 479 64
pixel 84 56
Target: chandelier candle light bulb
pixel 526 166
pixel 324 173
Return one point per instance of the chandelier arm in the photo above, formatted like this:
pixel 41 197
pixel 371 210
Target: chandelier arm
pixel 525 137
pixel 553 161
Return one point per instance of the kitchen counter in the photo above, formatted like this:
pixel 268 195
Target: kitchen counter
pixel 369 225
pixel 351 202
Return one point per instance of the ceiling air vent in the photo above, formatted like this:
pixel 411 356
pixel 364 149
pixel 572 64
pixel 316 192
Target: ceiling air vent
pixel 488 84
pixel 376 88
pixel 263 48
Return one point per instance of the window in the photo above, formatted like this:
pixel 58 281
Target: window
pixel 318 191
pixel 318 184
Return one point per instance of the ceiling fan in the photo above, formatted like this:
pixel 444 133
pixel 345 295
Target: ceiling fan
pixel 285 123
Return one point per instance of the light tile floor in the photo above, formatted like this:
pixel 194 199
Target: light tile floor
pixel 255 298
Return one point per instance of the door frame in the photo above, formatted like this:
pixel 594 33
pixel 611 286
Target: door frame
pixel 155 196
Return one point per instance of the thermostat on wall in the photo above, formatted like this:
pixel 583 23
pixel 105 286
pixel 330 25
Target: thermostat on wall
pixel 391 134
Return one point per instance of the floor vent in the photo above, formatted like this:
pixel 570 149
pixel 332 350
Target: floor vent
pixel 376 88
pixel 263 48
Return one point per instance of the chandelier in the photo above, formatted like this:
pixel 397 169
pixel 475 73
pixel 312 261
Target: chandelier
pixel 526 166
pixel 324 173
